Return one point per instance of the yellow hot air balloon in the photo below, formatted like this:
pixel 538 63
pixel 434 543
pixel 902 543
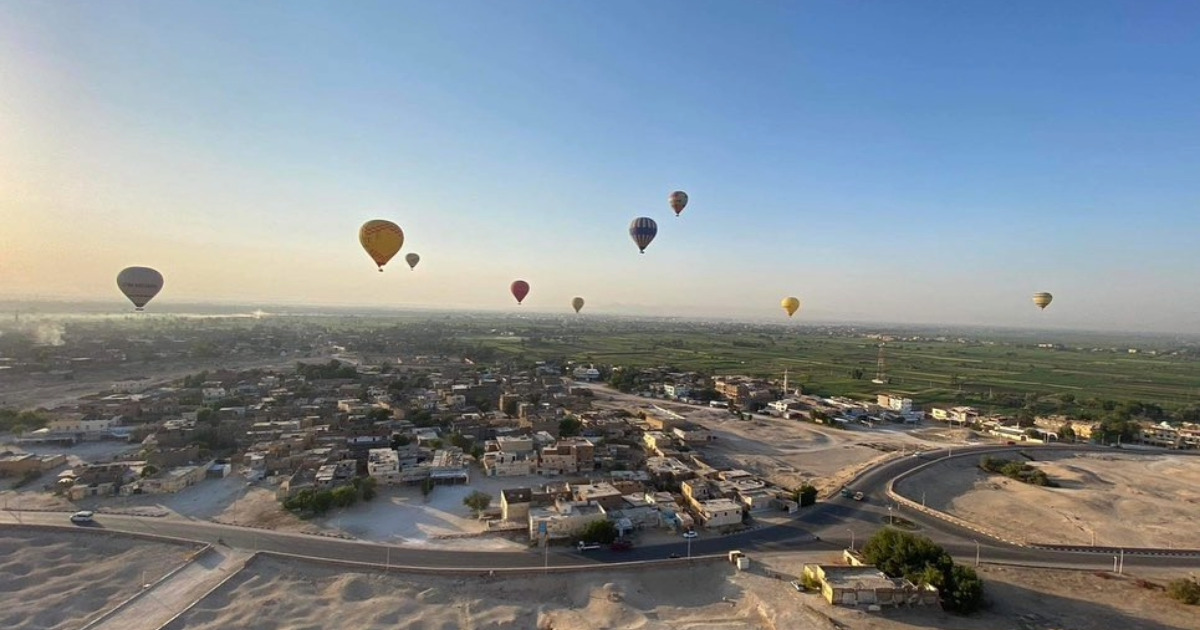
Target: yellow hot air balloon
pixel 577 304
pixel 791 305
pixel 382 240
pixel 1042 299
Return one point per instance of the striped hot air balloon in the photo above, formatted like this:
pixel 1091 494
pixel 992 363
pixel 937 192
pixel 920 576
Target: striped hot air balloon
pixel 678 201
pixel 382 239
pixel 643 230
pixel 1042 299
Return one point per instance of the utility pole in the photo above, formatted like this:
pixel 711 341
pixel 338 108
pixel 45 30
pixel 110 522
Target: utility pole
pixel 976 553
pixel 851 538
pixel 1121 565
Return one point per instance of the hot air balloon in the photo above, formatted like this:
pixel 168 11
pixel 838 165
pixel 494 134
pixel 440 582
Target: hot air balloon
pixel 382 239
pixel 519 289
pixel 412 260
pixel 139 284
pixel 643 230
pixel 577 304
pixel 678 201
pixel 791 305
pixel 1042 299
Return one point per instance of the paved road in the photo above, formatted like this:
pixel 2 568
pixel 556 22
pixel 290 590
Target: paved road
pixel 155 607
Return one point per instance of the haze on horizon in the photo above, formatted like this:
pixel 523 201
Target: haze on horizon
pixel 926 163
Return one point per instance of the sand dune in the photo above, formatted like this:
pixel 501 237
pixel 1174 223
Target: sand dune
pixel 53 580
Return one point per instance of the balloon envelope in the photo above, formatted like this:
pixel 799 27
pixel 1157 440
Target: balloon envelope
pixel 1042 299
pixel 139 284
pixel 412 260
pixel 678 201
pixel 577 304
pixel 382 239
pixel 643 230
pixel 519 289
pixel 791 305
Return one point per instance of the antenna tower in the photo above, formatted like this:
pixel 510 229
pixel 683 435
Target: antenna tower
pixel 880 368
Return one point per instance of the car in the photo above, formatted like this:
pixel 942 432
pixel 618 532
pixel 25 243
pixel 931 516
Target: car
pixel 584 546
pixel 675 555
pixel 83 516
pixel 798 585
pixel 689 534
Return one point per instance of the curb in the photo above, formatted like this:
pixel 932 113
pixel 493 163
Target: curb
pixel 207 593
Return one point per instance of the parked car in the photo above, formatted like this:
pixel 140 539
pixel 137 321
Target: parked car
pixel 689 534
pixel 585 546
pixel 83 516
pixel 675 555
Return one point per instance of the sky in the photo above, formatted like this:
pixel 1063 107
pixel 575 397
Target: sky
pixel 921 162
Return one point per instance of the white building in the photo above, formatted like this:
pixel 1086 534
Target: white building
pixel 383 465
pixel 563 519
pixel 504 464
pixel 671 390
pixel 895 403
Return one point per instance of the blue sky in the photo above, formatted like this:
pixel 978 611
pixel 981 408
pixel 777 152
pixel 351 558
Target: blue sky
pixel 898 161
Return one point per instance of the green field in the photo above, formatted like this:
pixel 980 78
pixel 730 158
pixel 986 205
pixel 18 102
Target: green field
pixel 995 374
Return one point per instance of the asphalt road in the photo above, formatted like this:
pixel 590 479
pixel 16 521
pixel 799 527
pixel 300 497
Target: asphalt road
pixel 828 526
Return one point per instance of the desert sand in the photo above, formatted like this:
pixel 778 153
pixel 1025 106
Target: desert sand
pixel 1127 500
pixel 53 580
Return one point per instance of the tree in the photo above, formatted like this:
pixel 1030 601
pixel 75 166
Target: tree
pixel 149 470
pixel 806 495
pixel 427 487
pixel 603 532
pixel 321 502
pixel 569 427
pixel 379 414
pixel 345 496
pixel 478 502
pixel 206 416
pixel 367 488
pixel 510 407
pixel 399 440
pixel 1184 590
pixel 1067 433
pixel 917 558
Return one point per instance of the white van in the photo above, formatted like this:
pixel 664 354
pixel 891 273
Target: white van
pixel 83 516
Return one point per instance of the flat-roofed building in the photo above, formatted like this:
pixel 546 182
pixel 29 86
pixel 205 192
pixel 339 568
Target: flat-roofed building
pixel 867 585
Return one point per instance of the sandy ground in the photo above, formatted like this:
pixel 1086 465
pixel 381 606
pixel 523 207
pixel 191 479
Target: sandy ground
pixel 1024 599
pixel 1128 500
pixel 59 580
pixel 285 594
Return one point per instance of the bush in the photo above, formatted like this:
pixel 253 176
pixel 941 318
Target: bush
pixel 1184 590
pixel 345 496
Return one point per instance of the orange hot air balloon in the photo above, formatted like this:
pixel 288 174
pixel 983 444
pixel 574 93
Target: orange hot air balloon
pixel 382 240
pixel 577 304
pixel 791 305
pixel 519 289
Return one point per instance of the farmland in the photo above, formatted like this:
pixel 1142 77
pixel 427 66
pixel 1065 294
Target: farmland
pixel 990 370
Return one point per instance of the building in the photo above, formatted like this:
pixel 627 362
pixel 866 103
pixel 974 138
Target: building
pixel 172 480
pixel 383 465
pixel 515 503
pixel 676 391
pixel 895 403
pixel 716 513
pixel 866 585
pixel 656 441
pixel 514 443
pixel 448 467
pixel 603 494
pixel 506 464
pixel 14 464
pixel 563 519
pixel 692 434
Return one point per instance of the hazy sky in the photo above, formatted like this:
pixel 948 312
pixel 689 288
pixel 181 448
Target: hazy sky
pixel 900 161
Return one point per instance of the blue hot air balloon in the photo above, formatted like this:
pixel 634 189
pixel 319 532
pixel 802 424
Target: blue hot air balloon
pixel 643 230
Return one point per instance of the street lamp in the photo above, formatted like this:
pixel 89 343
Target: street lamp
pixel 976 553
pixel 689 552
pixel 851 538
